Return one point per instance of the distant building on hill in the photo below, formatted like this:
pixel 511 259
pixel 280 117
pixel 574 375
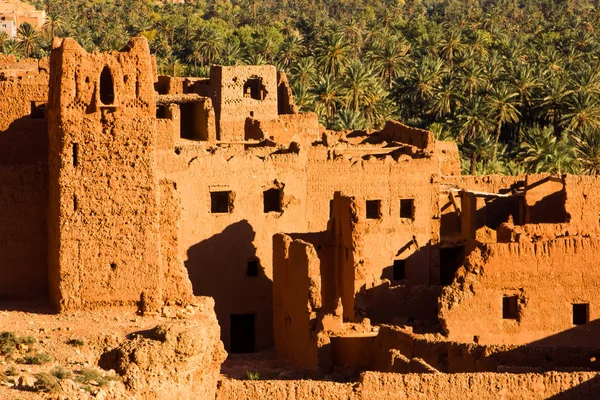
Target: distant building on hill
pixel 13 13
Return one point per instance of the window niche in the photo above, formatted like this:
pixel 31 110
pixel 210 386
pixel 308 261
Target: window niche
pixel 107 87
pixel 581 313
pixel 510 307
pixel 272 200
pixel 407 209
pixel 373 209
pixel 221 202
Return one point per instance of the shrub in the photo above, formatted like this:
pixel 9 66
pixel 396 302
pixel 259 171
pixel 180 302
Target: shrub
pixel 9 342
pixel 46 383
pixel 35 359
pixel 11 371
pixel 75 342
pixel 61 373
pixel 253 376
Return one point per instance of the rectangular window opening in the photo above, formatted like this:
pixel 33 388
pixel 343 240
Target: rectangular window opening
pixel 75 204
pixel 581 314
pixel 161 112
pixel 272 200
pixel 252 270
pixel 510 307
pixel 330 208
pixel 221 202
pixel 399 270
pixel 38 110
pixel 407 208
pixel 373 209
pixel 75 154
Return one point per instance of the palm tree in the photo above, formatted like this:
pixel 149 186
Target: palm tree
pixel 541 151
pixel 473 121
pixel 327 92
pixel 502 108
pixel 28 38
pixel 452 46
pixel 554 102
pixel 350 120
pixel 290 50
pixel 332 54
pixel 358 82
pixel 210 43
pixel 587 147
pixel 304 72
pixel 583 112
pixel 390 57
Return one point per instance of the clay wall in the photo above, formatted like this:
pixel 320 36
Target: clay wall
pixel 287 128
pixel 296 299
pixel 23 178
pixel 217 247
pixel 386 386
pixel 104 195
pixel 398 132
pixel 545 281
pixel 240 92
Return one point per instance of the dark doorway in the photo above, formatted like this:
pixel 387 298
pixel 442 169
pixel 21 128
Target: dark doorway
pixel 255 89
pixel 107 87
pixel 242 333
pixel 510 307
pixel 581 314
pixel 451 259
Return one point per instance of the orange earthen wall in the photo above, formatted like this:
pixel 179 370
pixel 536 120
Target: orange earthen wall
pixel 104 216
pixel 226 88
pixel 547 278
pixel 382 386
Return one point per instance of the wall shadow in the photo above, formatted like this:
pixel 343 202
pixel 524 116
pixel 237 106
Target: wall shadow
pixel 226 268
pixel 23 219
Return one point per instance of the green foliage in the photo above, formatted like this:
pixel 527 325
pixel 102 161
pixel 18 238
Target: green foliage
pixel 75 342
pixel 61 373
pixel 46 382
pixel 500 78
pixel 35 359
pixel 253 376
pixel 11 371
pixel 9 342
pixel 89 375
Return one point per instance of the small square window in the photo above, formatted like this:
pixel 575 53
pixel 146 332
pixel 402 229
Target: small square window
pixel 373 209
pixel 399 270
pixel 252 269
pixel 510 307
pixel 272 200
pixel 581 314
pixel 407 208
pixel 220 202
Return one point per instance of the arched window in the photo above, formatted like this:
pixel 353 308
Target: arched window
pixel 107 87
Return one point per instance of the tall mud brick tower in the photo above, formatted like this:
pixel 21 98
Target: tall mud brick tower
pixel 104 245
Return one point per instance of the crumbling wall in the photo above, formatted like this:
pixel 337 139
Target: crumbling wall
pixel 449 158
pixel 104 246
pixel 299 128
pixel 296 302
pixel 544 280
pixel 240 92
pixel 398 132
pixel 285 97
pixel 387 386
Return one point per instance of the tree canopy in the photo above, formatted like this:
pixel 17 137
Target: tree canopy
pixel 515 83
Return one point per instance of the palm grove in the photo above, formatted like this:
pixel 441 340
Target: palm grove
pixel 515 83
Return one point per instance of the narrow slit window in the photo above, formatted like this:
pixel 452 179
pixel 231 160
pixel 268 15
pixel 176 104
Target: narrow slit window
pixel 272 200
pixel 581 314
pixel 510 307
pixel 407 208
pixel 373 209
pixel 221 202
pixel 75 203
pixel 75 154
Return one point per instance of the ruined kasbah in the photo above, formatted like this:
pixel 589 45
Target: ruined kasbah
pixel 200 238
